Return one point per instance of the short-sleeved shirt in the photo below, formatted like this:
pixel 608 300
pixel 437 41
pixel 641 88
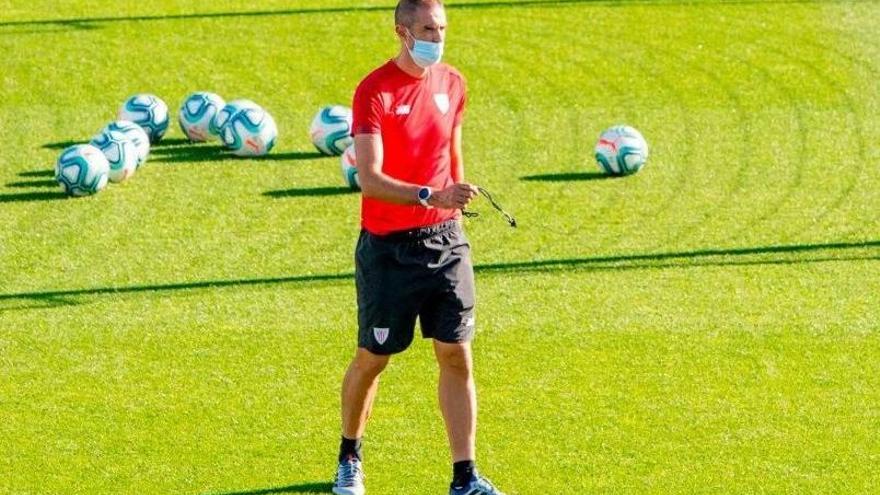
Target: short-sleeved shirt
pixel 416 118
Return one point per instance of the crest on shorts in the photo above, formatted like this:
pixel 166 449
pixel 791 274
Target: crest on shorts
pixel 442 102
pixel 381 334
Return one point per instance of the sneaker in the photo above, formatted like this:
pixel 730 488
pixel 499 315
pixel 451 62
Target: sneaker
pixel 477 486
pixel 349 477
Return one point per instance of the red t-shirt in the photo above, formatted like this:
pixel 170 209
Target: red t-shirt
pixel 416 117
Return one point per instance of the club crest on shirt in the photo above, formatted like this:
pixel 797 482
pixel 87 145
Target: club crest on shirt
pixel 442 102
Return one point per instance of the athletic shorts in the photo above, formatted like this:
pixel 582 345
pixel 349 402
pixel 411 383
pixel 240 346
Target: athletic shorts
pixel 425 273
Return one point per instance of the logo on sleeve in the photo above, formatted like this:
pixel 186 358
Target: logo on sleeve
pixel 402 110
pixel 381 334
pixel 442 102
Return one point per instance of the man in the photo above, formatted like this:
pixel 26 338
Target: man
pixel 412 258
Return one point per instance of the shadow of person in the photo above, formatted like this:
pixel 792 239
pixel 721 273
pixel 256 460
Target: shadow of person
pixel 567 176
pixel 319 487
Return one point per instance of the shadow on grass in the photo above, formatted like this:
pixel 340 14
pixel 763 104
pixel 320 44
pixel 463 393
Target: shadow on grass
pixel 165 143
pixel 37 173
pixel 32 196
pixel 208 153
pixel 294 155
pixel 309 191
pixel 300 488
pixel 13 30
pixel 179 150
pixel 568 176
pixel 183 150
pixel 42 303
pixel 209 284
pixel 168 142
pixel 648 261
pixel 90 23
pixel 32 183
pixel 191 153
pixel 60 145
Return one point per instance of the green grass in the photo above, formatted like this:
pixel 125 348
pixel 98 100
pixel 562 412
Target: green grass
pixel 707 326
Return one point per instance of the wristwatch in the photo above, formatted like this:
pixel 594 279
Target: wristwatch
pixel 424 195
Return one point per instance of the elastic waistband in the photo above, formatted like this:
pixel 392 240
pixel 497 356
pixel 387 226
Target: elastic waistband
pixel 419 233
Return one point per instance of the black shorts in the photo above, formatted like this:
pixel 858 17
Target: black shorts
pixel 425 273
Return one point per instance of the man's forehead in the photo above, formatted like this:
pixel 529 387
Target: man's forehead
pixel 433 16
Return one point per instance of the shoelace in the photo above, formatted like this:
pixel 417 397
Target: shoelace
pixel 349 473
pixel 486 484
pixel 480 486
pixel 487 195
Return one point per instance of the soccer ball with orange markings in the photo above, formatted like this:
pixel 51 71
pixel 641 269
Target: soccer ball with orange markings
pixel 246 129
pixel 196 116
pixel 621 150
pixel 120 152
pixel 134 132
pixel 147 111
pixel 82 170
pixel 331 130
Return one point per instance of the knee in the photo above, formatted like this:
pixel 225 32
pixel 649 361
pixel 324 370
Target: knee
pixel 369 364
pixel 455 358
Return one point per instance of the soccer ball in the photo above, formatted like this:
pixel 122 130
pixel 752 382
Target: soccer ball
pixel 82 170
pixel 196 116
pixel 220 118
pixel 621 150
pixel 147 111
pixel 121 154
pixel 228 111
pixel 331 130
pixel 349 168
pixel 247 129
pixel 134 132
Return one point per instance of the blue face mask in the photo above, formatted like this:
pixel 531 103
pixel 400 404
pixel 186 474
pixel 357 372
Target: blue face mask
pixel 425 53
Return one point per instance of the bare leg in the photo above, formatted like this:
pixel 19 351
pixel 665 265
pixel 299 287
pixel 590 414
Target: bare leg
pixel 458 398
pixel 359 391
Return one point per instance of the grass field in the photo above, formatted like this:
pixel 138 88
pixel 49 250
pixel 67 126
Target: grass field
pixel 707 326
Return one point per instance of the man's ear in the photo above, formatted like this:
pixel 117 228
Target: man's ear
pixel 400 31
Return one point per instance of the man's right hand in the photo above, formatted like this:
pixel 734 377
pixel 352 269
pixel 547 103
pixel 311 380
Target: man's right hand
pixel 454 197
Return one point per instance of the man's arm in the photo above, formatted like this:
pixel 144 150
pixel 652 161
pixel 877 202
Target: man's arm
pixel 374 183
pixel 378 185
pixel 457 157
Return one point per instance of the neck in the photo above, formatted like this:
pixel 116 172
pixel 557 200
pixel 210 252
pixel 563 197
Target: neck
pixel 406 64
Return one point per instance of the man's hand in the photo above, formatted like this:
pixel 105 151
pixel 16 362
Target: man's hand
pixel 454 197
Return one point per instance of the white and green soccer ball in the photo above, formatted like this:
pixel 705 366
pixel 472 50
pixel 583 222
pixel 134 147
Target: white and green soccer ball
pixel 197 116
pixel 228 110
pixel 147 111
pixel 134 132
pixel 331 130
pixel 621 150
pixel 82 170
pixel 349 168
pixel 246 129
pixel 120 152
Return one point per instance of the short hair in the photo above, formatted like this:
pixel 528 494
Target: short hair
pixel 405 12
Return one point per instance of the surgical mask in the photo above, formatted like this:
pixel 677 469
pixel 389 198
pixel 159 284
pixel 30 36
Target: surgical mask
pixel 425 53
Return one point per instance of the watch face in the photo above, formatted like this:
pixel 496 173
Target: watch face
pixel 424 193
